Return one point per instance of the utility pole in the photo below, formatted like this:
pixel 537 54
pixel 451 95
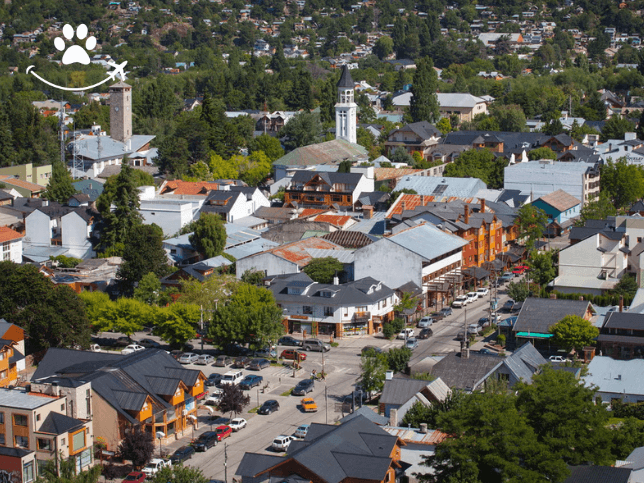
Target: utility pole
pixel 225 462
pixel 201 326
pixel 326 403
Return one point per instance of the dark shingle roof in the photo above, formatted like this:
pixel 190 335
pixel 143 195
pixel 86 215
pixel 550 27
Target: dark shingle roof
pixel 14 452
pixel 345 78
pixel 254 463
pixel 538 315
pixel 399 391
pixel 304 176
pixel 624 320
pixel 56 423
pixel 348 239
pixel 465 373
pixel 598 474
pixel 368 413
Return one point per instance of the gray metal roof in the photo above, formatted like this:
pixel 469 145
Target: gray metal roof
pixel 465 373
pixel 538 315
pixel 613 376
pixel 624 320
pixel 398 391
pixel 368 413
pixel 441 186
pixel 427 241
pixel 344 256
pixel 251 248
pixel 20 399
pixel 110 148
pixel 598 474
pixel 524 362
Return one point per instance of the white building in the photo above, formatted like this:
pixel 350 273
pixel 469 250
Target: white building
pixel 346 110
pixel 10 245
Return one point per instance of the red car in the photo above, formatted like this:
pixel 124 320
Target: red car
pixel 135 477
pixel 519 269
pixel 223 432
pixel 292 354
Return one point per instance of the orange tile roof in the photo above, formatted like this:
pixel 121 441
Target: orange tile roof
pixel 7 234
pixel 392 173
pixel 21 184
pixel 336 220
pixel 310 212
pixel 296 251
pixel 178 187
pixel 412 201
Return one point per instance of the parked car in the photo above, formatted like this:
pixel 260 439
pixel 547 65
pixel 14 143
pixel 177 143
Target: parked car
pixel 411 343
pixel 123 341
pixel 292 354
pixel 509 305
pixel 460 301
pixel 558 359
pixel 223 432
pixel 154 466
pixel 425 322
pixel 520 269
pixel 232 377
pixel 135 477
pixel 303 387
pixel 214 398
pixel 289 341
pixel 425 333
pixel 473 329
pixel 266 352
pixel 241 362
pixel 437 316
pixel 132 348
pixel 213 379
pixel 309 405
pixel 371 348
pixel 301 431
pixel 316 345
pixel 281 443
pixel 482 292
pixel 259 364
pixel 149 343
pixel 250 381
pixel 182 454
pixel 205 441
pixel 506 277
pixel 484 322
pixel 176 354
pixel 472 296
pixel 188 358
pixel 269 407
pixel 223 361
pixel 237 424
pixel 205 360
pixel 489 352
pixel 405 333
pixel 447 311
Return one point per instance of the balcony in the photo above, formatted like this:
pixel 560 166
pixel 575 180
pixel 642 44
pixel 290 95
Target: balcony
pixel 361 317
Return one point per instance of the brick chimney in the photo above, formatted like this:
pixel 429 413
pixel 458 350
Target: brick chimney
pixel 467 214
pixel 402 205
pixel 621 303
pixel 422 200
pixel 482 205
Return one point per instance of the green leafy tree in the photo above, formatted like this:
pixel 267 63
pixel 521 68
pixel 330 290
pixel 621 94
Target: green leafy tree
pixel 400 155
pixel 322 270
pixel 301 130
pixel 510 118
pixel 63 470
pixel 180 474
pixel 542 153
pixel 517 291
pixel 393 328
pixel 598 209
pixel 222 169
pixel 491 441
pixel 211 294
pixel 398 358
pixel 626 287
pixel 373 367
pixel 268 145
pixel 622 183
pixel 178 323
pixel 424 103
pixel 345 166
pixel 149 289
pixel 542 267
pixel 209 237
pixel 383 47
pixel 532 222
pixel 254 168
pixel 627 437
pixel 562 412
pixel 60 186
pixel 65 262
pixel 143 254
pixel 615 128
pixel 573 332
pixel 250 315
pixel 419 413
pixel 444 126
pixel 407 302
pixel 478 163
pixel 253 277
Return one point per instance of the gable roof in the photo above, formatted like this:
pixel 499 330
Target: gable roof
pixel 427 241
pixel 560 200
pixel 179 187
pixel 624 320
pixel 441 187
pixel 329 152
pixel 398 391
pixel 7 234
pixel 538 315
pixel 465 373
pixel 56 423
pixel 615 376
pixel 296 251
pixel 524 362
pixel 348 239
pixel 368 413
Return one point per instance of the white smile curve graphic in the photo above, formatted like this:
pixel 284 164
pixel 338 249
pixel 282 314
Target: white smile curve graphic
pixel 108 78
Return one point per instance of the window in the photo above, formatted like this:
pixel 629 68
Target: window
pixel 2 355
pixel 28 472
pixel 328 311
pixel 44 444
pixel 22 441
pixel 62 407
pixel 19 420
pixel 307 309
pixel 2 439
pixel 78 440
pixel 37 417
pixel 1 418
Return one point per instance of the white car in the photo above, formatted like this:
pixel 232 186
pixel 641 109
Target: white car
pixel 460 301
pixel 560 359
pixel 473 329
pixel 472 296
pixel 232 378
pixel 205 360
pixel 132 348
pixel 301 431
pixel 188 358
pixel 281 443
pixel 214 398
pixel 482 292
pixel 154 466
pixel 237 424
pixel 405 334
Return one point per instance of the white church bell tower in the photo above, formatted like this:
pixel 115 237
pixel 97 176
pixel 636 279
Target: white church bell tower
pixel 346 109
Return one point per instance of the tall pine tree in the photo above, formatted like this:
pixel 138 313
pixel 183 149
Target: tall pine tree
pixel 60 186
pixel 424 103
pixel 7 156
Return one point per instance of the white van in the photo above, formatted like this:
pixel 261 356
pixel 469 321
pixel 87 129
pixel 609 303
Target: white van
pixel 232 378
pixel 406 334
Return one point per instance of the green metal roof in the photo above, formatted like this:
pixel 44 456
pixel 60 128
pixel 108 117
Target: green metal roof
pixel 535 335
pixel 329 152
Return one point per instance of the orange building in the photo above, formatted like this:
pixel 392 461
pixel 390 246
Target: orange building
pixel 314 189
pixel 8 367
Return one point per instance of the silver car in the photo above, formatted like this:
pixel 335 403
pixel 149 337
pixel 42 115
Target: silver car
pixel 205 360
pixel 188 358
pixel 315 345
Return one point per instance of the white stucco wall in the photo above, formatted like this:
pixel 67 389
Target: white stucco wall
pixel 75 234
pixel 266 262
pixel 38 229
pixel 15 255
pixel 170 216
pixel 389 263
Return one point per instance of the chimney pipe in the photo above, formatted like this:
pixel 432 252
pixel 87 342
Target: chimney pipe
pixel 402 204
pixel 423 428
pixel 393 417
pixel 336 281
pixel 621 303
pixel 422 200
pixel 467 214
pixel 482 205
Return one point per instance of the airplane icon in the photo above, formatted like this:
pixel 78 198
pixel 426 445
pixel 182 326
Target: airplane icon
pixel 118 70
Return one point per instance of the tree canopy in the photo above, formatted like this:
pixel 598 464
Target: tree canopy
pixel 573 332
pixel 622 183
pixel 322 270
pixel 478 163
pixel 209 237
pixel 60 186
pixel 424 102
pixel 532 222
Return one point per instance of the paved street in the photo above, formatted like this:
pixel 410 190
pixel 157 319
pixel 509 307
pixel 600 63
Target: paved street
pixel 343 367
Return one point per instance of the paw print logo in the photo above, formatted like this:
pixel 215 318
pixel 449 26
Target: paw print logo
pixel 75 53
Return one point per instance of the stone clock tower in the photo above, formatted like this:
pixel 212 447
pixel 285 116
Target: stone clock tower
pixel 121 112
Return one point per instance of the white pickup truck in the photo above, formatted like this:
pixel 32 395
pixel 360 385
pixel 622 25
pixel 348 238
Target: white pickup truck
pixel 154 466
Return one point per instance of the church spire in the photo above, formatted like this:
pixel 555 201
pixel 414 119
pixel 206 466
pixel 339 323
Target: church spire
pixel 346 109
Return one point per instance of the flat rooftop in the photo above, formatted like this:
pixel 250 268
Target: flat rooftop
pixel 20 399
